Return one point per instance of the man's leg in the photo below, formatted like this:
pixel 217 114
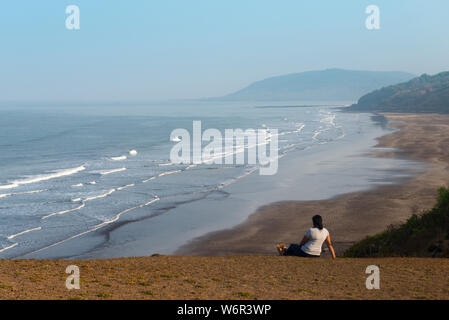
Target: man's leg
pixel 293 250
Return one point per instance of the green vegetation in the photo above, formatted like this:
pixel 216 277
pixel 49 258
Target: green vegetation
pixel 425 94
pixel 4 287
pixel 425 235
pixel 148 292
pixel 244 294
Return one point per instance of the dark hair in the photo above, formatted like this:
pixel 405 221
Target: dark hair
pixel 317 222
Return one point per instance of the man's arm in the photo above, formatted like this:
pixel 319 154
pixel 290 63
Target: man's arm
pixel 329 245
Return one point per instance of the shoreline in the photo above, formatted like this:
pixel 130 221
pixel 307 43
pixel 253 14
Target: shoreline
pixel 323 173
pixel 316 173
pixel 350 216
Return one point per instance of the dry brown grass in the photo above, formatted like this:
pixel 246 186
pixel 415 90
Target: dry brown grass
pixel 232 277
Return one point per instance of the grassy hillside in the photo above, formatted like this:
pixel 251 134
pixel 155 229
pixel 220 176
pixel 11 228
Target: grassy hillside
pixel 425 94
pixel 323 85
pixel 425 235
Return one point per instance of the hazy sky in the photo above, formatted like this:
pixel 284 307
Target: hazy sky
pixel 148 49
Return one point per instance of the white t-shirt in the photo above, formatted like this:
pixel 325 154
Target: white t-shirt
pixel 316 239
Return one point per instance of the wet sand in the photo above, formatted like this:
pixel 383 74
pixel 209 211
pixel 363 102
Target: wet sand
pixel 349 217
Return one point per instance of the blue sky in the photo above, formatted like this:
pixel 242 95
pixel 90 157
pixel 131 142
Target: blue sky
pixel 149 50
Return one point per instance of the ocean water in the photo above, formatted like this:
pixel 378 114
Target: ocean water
pixel 67 171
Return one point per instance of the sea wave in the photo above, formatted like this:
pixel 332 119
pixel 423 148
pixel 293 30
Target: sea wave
pixel 83 201
pixel 103 195
pixel 165 164
pixel 330 118
pixel 9 247
pixel 166 173
pixel 126 187
pixel 234 180
pixel 149 179
pixel 118 158
pixel 43 177
pixel 300 128
pixel 23 232
pixel 3 195
pixel 64 211
pixel 106 172
pixel 77 185
pixel 98 226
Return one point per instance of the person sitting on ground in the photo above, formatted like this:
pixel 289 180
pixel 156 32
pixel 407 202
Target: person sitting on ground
pixel 310 246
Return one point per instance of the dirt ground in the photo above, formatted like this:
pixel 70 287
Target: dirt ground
pixel 230 277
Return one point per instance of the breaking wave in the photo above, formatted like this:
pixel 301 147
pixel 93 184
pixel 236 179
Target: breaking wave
pixel 43 177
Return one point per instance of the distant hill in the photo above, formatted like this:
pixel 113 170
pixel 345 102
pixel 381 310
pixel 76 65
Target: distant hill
pixel 325 85
pixel 425 94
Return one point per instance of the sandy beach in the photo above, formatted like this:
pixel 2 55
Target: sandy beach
pixel 349 217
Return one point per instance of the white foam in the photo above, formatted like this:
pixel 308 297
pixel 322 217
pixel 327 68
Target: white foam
pixel 132 152
pixel 3 195
pixel 225 184
pixel 176 139
pixel 83 201
pixel 77 185
pixel 289 146
pixel 166 173
pixel 6 248
pixel 117 216
pixel 43 177
pixel 92 182
pixel 149 179
pixel 64 211
pixel 23 232
pixel 103 195
pixel 9 186
pixel 330 119
pixel 301 126
pixel 165 164
pixel 118 158
pixel 125 187
pixel 316 134
pixel 101 225
pixel 55 174
pixel 106 172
